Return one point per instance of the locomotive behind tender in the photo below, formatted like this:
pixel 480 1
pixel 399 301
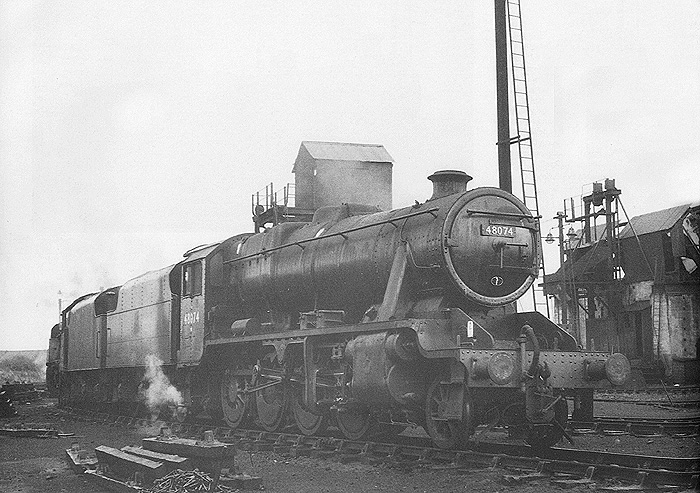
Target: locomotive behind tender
pixel 359 318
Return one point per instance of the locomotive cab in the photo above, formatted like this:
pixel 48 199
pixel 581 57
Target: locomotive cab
pixel 190 298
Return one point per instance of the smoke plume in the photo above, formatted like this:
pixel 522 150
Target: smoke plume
pixel 160 392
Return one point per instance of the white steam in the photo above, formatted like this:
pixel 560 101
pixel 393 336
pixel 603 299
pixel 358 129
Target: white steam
pixel 159 391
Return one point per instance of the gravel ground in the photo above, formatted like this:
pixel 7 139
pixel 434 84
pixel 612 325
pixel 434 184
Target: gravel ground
pixel 38 465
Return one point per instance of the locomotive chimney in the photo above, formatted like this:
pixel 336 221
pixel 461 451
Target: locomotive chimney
pixel 447 182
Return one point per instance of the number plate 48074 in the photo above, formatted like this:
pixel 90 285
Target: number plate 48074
pixel 498 230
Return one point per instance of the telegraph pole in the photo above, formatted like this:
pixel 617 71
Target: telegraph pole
pixel 563 288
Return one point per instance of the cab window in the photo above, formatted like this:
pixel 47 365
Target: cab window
pixel 192 279
pixel 107 301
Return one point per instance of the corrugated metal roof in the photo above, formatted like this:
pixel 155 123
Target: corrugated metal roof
pixel 654 221
pixel 599 232
pixel 343 151
pixel 586 265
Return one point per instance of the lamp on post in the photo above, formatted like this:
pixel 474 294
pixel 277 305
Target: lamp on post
pixel 571 235
pixel 563 291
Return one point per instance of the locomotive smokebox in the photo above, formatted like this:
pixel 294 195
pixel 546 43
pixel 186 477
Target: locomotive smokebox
pixel 448 182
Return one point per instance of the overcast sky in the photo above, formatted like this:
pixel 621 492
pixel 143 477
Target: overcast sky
pixel 133 131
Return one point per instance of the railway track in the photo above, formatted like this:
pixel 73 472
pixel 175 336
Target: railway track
pixel 638 427
pixel 686 396
pixel 562 466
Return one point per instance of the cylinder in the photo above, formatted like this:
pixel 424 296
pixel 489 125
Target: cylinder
pixel 402 345
pixel 380 379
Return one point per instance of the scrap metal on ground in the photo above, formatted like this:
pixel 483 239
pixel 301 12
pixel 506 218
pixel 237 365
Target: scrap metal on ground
pixel 165 464
pixel 180 481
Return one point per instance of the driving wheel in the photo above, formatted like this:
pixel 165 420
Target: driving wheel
pixel 271 404
pixel 353 423
pixel 234 400
pixel 308 422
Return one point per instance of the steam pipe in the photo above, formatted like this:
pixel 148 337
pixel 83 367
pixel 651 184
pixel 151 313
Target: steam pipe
pixel 530 334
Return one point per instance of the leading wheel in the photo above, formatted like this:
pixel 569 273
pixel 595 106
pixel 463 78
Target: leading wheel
pixel 353 423
pixel 446 433
pixel 544 436
pixel 234 401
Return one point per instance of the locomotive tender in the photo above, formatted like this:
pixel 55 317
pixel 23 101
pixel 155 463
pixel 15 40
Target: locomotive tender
pixel 365 319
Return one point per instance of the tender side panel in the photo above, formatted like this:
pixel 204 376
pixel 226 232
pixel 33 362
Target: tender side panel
pixel 140 325
pixel 82 329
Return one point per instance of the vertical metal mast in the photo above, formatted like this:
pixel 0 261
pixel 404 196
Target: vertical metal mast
pixel 502 111
pixel 523 137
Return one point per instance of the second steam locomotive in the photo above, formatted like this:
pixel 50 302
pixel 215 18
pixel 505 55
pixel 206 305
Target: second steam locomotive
pixel 362 319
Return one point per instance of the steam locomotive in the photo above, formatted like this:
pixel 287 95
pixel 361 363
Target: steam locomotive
pixel 366 320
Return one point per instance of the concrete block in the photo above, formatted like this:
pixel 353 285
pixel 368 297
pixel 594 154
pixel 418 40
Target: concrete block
pixel 125 466
pixel 78 458
pixel 169 461
pixel 189 448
